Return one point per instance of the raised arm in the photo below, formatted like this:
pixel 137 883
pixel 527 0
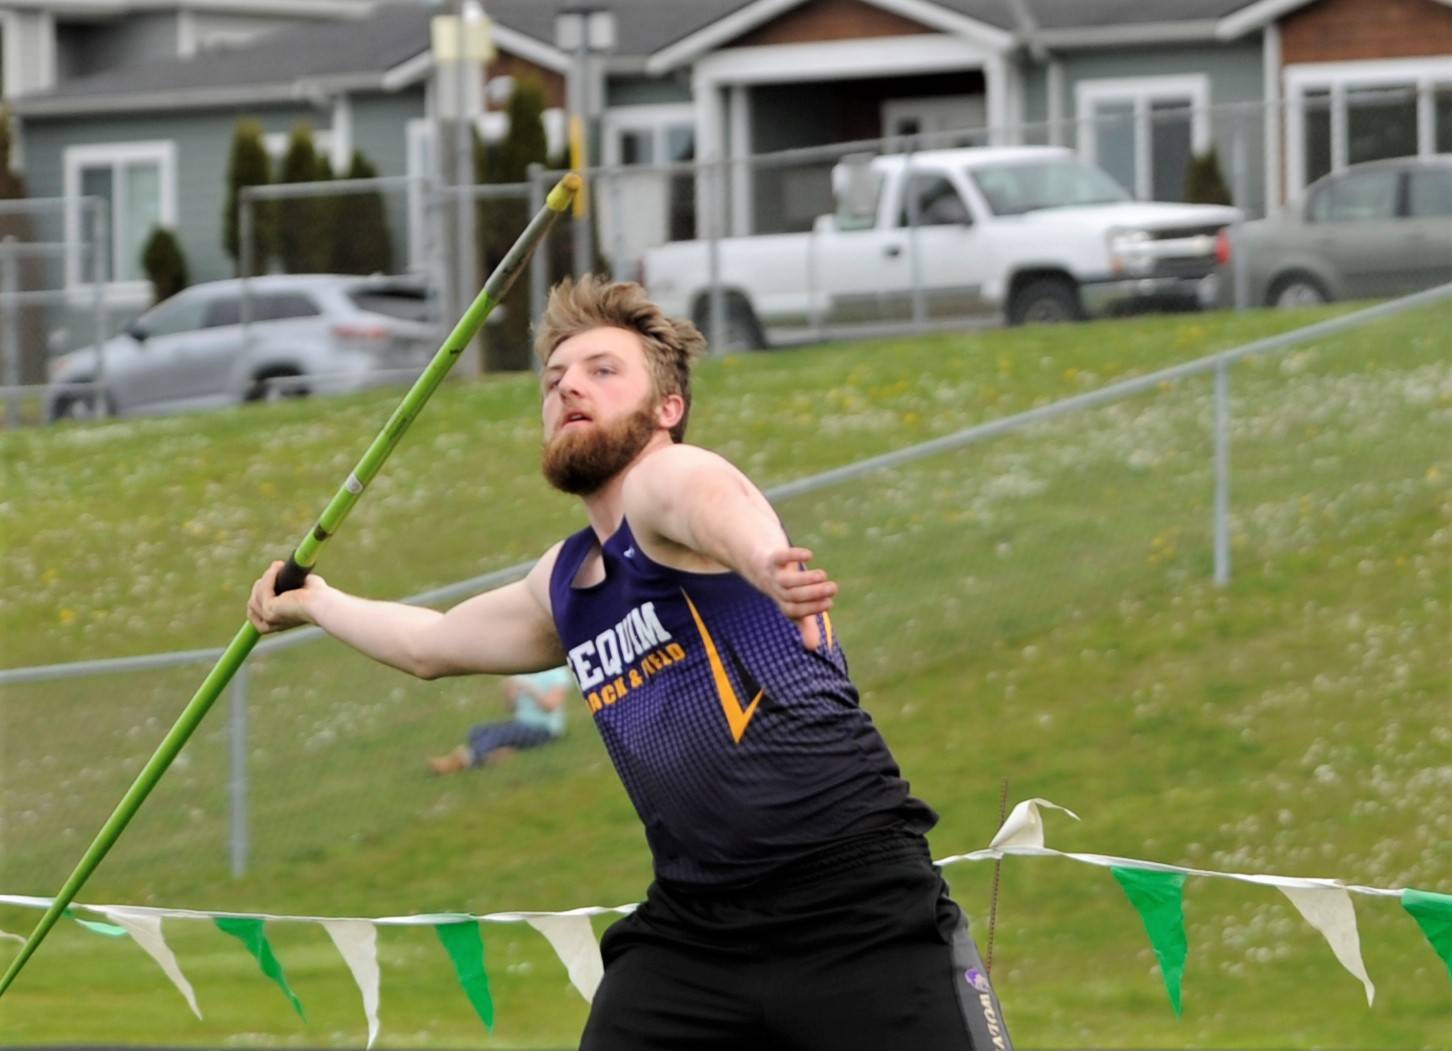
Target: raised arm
pixel 686 504
pixel 502 632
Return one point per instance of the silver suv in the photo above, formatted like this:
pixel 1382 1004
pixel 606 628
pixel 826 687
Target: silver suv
pixel 315 333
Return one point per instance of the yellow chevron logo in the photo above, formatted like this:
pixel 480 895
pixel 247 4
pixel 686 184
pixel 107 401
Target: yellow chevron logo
pixel 736 716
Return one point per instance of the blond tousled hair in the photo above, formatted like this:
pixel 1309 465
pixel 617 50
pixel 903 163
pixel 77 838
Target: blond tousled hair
pixel 594 302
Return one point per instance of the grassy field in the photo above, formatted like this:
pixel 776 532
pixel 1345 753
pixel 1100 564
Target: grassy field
pixel 1036 608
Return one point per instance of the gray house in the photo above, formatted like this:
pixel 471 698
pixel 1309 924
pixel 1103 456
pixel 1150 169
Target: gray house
pixel 1283 89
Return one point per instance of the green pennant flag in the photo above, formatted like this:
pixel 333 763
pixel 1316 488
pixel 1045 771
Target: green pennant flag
pixel 1433 913
pixel 110 930
pixel 1157 896
pixel 248 930
pixel 465 946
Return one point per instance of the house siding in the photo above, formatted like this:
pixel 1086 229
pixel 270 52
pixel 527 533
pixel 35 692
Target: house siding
pixel 1351 30
pixel 202 145
pixel 830 20
pixel 1235 75
pixel 380 132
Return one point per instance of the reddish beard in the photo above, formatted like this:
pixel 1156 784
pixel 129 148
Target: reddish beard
pixel 580 461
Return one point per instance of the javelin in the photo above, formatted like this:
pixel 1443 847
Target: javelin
pixel 300 563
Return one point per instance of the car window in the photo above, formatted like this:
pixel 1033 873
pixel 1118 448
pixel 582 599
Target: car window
pixel 175 315
pixel 938 203
pixel 278 306
pixel 1357 197
pixel 225 310
pixel 407 304
pixel 1429 194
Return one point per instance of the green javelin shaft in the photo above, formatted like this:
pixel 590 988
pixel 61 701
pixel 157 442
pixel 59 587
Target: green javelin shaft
pixel 303 558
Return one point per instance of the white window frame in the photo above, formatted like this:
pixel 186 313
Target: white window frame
pixel 656 118
pixel 1340 77
pixel 1142 93
pixel 117 155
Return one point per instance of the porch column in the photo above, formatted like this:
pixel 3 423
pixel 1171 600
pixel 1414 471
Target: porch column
pixel 743 176
pixel 1273 119
pixel 995 77
pixel 1054 88
pixel 710 146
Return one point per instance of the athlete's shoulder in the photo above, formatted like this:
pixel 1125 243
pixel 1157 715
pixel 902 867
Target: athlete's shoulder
pixel 672 466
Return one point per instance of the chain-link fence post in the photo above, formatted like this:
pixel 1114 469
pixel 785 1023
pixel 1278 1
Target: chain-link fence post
pixel 1222 473
pixel 245 220
pixel 716 311
pixel 919 299
pixel 1240 173
pixel 539 263
pixel 237 782
pixel 101 228
pixel 10 336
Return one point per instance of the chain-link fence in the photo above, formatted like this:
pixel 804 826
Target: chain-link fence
pixel 46 246
pixel 1117 499
pixel 860 237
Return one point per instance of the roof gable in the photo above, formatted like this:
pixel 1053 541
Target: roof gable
pixel 780 21
pixel 1262 13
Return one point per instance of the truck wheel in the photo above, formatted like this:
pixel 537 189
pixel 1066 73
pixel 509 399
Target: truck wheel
pixel 741 330
pixel 1297 290
pixel 261 390
pixel 1045 301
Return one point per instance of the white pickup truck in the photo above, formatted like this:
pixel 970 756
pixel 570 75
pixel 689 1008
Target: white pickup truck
pixel 1031 232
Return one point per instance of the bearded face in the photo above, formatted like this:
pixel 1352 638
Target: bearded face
pixel 580 458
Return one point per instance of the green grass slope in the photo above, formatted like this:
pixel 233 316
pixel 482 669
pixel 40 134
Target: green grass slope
pixel 1037 608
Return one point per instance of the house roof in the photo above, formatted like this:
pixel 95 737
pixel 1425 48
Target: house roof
pixel 1261 13
pixel 278 65
pixel 311 60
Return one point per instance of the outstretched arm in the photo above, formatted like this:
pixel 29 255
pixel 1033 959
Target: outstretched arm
pixel 501 632
pixel 686 498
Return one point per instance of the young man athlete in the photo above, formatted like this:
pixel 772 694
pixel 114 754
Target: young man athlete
pixel 795 904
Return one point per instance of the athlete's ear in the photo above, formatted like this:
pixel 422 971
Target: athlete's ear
pixel 669 411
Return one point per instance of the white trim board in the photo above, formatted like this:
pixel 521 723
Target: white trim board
pixel 1141 92
pixel 1426 73
pixel 834 59
pixel 698 44
pixel 116 154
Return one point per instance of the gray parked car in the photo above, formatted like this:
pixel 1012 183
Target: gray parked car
pixel 1377 229
pixel 311 333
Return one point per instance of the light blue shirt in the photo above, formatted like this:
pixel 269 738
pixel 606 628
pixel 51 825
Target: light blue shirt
pixel 528 711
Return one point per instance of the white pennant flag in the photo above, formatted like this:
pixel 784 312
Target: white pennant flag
pixel 573 940
pixel 357 942
pixel 1330 911
pixel 145 930
pixel 1024 827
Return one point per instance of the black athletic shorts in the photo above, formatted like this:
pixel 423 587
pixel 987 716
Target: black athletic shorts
pixel 859 949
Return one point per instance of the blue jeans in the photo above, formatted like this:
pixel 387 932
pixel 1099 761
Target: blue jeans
pixel 489 737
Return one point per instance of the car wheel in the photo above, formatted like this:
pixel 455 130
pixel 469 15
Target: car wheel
pixel 1297 290
pixel 1045 301
pixel 264 391
pixel 77 407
